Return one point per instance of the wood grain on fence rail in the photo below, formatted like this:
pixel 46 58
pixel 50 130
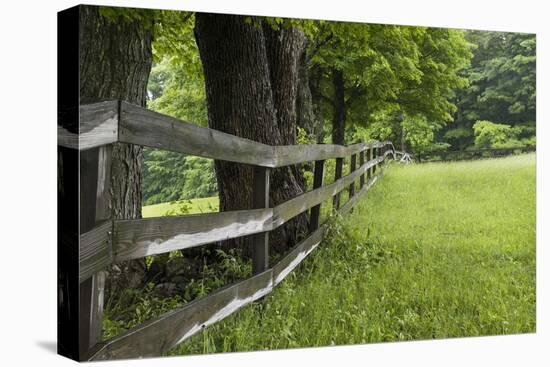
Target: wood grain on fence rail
pixel 289 209
pixel 120 240
pixel 137 238
pixel 144 127
pixel 295 257
pixel 98 126
pixel 111 121
pixel 95 250
pixel 157 336
pixel 293 154
pixel 152 236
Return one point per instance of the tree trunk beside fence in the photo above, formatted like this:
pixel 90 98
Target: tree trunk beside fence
pixel 339 108
pixel 239 76
pixel 115 62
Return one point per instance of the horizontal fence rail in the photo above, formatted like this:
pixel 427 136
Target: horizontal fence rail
pixel 113 121
pixel 157 336
pixel 112 241
pixel 136 238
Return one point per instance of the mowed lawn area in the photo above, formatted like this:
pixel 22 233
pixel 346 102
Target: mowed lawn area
pixel 434 250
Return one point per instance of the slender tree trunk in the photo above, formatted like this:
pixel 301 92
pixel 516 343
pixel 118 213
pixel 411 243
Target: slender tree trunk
pixel 115 61
pixel 241 101
pixel 339 106
pixel 403 134
pixel 305 112
pixel 317 103
pixel 403 141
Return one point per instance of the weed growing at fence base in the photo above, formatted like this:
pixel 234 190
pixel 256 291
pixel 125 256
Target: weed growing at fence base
pixel 434 250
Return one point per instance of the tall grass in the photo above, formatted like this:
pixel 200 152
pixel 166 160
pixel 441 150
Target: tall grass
pixel 434 251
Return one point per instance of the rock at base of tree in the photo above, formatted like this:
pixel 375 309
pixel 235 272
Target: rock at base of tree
pixel 125 275
pixel 178 279
pixel 177 266
pixel 166 290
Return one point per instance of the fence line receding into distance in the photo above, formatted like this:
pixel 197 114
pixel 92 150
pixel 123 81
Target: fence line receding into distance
pixel 104 241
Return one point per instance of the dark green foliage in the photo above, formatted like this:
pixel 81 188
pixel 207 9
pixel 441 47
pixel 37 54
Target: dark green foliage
pixel 502 86
pixel 200 178
pixel 176 88
pixel 169 176
pixel 163 176
pixel 502 78
pixel 459 137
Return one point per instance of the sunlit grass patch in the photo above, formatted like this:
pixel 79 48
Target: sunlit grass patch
pixel 433 251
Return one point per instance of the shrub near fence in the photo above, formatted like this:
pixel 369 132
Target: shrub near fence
pixel 103 241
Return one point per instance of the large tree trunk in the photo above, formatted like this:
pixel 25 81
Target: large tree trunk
pixel 284 48
pixel 339 108
pixel 306 114
pixel 115 61
pixel 241 101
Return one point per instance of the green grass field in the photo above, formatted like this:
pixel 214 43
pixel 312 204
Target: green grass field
pixel 201 205
pixel 433 251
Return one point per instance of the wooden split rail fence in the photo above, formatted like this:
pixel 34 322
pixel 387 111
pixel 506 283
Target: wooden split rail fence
pixel 104 241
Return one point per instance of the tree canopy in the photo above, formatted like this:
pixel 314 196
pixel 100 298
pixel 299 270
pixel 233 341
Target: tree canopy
pixel 426 89
pixel 501 89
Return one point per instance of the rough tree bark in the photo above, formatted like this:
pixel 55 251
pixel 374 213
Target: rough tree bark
pixel 241 75
pixel 305 116
pixel 115 62
pixel 285 47
pixel 339 108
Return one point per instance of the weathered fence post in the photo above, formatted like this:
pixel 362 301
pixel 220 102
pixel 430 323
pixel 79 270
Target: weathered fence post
pixel 374 155
pixel 260 200
pixel 369 157
pixel 337 175
pixel 315 212
pixel 361 163
pixel 95 170
pixel 352 165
